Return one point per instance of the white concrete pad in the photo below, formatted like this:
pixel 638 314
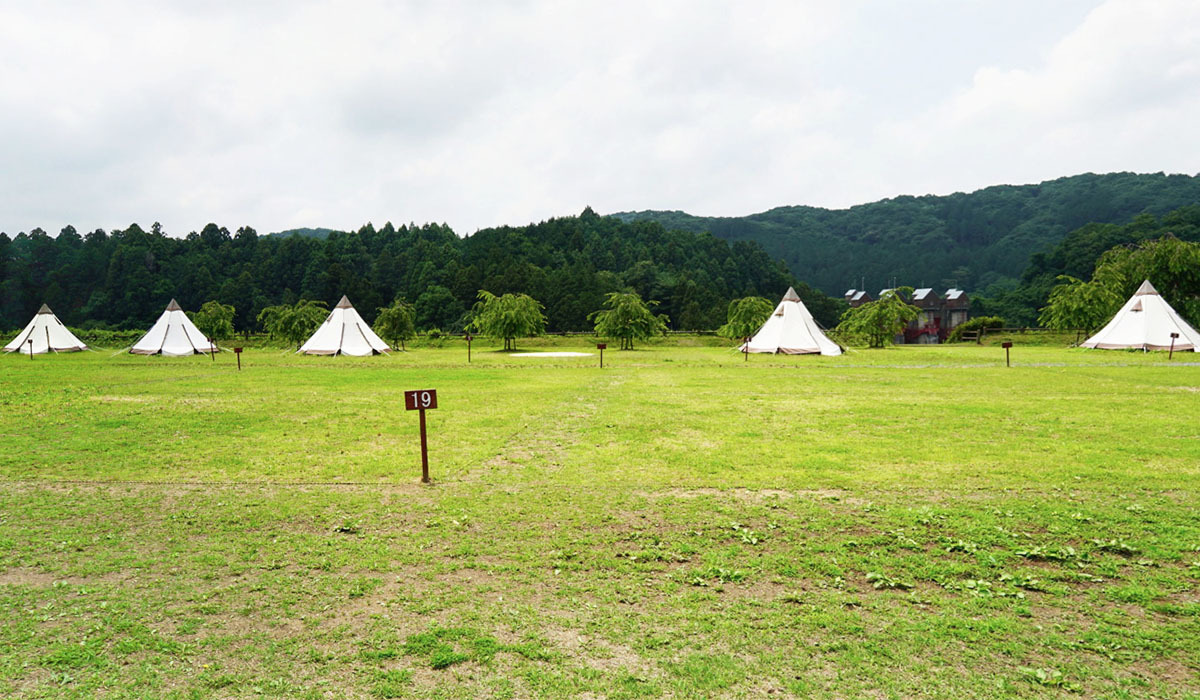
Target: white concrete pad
pixel 551 354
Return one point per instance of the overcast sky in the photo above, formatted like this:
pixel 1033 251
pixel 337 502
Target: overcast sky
pixel 294 113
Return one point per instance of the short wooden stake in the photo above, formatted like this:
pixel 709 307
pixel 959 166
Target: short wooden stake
pixel 424 451
pixel 419 401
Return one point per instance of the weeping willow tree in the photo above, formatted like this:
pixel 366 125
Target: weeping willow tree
pixel 1171 265
pixel 877 322
pixel 1075 304
pixel 214 320
pixel 293 323
pixel 746 316
pixel 396 323
pixel 508 317
pixel 626 317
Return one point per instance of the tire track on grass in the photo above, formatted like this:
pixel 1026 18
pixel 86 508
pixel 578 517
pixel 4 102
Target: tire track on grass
pixel 542 439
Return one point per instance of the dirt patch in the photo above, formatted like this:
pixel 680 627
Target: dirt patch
pixel 478 578
pixel 739 493
pixel 1172 673
pixel 35 578
pixel 123 399
pixel 600 654
pixel 757 495
pixel 762 591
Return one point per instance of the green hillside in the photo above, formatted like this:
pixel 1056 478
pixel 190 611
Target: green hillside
pixel 124 278
pixel 970 240
pixel 1076 255
pixel 303 233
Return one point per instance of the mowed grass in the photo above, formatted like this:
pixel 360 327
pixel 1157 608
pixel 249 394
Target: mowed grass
pixel 913 522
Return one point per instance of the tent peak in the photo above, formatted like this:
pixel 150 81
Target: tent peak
pixel 791 295
pixel 1145 289
pixel 174 306
pixel 344 303
pixel 45 310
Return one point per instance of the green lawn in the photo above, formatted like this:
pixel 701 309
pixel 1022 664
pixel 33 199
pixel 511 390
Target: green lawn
pixel 910 522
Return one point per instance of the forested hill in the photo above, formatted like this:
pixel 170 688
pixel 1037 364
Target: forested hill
pixel 1076 255
pixel 124 279
pixel 304 232
pixel 970 240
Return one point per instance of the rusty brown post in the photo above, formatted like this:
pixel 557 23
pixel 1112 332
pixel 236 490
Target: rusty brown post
pixel 419 401
pixel 424 451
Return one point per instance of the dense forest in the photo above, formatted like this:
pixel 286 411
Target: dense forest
pixel 981 241
pixel 1076 255
pixel 1007 244
pixel 124 279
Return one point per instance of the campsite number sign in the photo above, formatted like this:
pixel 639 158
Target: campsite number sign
pixel 420 400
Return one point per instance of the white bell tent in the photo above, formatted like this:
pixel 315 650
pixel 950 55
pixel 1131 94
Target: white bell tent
pixel 1145 322
pixel 344 332
pixel 173 334
pixel 791 330
pixel 47 333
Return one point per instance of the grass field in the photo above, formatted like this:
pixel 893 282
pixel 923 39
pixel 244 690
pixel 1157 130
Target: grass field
pixel 911 522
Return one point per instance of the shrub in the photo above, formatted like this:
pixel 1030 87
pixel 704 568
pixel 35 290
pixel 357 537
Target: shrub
pixel 974 324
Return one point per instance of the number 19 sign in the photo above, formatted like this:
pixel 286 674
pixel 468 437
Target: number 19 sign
pixel 419 401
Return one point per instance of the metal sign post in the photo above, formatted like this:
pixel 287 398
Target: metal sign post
pixel 31 348
pixel 1006 345
pixel 238 352
pixel 1172 352
pixel 601 347
pixel 419 401
pixel 469 338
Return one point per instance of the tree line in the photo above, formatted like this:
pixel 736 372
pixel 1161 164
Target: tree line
pixel 1078 257
pixel 123 279
pixel 978 241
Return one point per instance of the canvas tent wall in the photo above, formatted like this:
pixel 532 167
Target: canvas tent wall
pixel 173 334
pixel 1145 322
pixel 791 330
pixel 344 332
pixel 47 333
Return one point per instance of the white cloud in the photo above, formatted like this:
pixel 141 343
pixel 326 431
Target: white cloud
pixel 320 113
pixel 1116 93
